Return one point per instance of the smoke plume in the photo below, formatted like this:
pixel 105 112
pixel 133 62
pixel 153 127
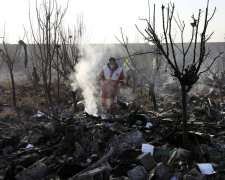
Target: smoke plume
pixel 86 75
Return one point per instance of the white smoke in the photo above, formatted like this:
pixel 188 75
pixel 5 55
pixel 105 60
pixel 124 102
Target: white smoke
pixel 86 75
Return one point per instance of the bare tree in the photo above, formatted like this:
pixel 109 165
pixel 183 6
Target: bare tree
pixel 187 74
pixel 148 77
pixel 11 55
pixel 68 53
pixel 49 18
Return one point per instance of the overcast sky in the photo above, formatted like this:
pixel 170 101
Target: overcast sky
pixel 103 18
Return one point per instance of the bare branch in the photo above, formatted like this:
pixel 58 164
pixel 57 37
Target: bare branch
pixel 196 35
pixel 165 30
pixel 213 60
pixel 139 53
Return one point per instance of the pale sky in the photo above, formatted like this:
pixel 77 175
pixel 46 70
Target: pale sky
pixel 103 18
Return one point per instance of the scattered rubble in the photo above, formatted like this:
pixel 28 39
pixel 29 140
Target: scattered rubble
pixel 134 145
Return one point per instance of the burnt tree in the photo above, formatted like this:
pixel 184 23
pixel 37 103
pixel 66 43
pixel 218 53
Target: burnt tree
pixel 186 70
pixel 11 55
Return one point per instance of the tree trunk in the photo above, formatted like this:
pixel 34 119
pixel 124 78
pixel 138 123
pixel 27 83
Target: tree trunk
pixel 184 114
pixel 46 87
pixel 152 95
pixel 58 85
pixel 13 87
pixel 154 101
pixel 58 76
pixel 49 82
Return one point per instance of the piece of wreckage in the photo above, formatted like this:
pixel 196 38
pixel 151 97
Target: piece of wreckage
pixel 136 145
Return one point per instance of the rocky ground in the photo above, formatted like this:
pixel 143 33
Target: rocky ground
pixel 138 144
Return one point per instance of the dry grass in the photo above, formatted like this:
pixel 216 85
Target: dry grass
pixel 29 105
pixel 5 99
pixel 8 113
pixel 6 82
pixel 5 91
